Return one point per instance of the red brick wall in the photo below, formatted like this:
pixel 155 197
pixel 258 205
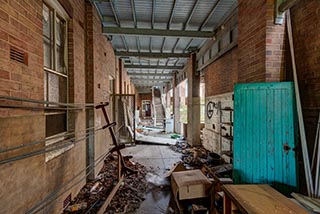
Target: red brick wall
pixel 252 40
pixel 260 42
pixel 144 97
pixel 21 27
pixel 275 47
pixel 306 30
pixel 104 66
pixel 260 54
pixel 26 182
pixel 221 75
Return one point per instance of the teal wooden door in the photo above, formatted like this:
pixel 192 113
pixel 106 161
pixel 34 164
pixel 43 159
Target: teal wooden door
pixel 264 134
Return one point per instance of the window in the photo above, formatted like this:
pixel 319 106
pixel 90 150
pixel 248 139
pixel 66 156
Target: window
pixel 231 36
pixel 111 85
pixel 55 71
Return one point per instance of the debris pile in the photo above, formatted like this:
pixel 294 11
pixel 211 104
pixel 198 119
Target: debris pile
pixel 127 199
pixel 94 193
pixel 196 157
pixel 132 192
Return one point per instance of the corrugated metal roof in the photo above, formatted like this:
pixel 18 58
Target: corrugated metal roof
pixel 125 10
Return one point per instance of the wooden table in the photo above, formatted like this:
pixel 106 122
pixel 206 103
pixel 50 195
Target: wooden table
pixel 257 199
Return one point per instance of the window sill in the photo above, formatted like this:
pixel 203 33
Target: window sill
pixel 55 153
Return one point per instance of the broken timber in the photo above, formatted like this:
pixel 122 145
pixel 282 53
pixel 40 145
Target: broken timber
pixel 110 197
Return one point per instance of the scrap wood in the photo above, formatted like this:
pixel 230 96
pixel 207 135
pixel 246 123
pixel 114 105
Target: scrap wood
pixel 215 171
pixel 176 168
pixel 304 144
pixel 76 207
pixel 131 193
pixel 310 203
pixel 110 197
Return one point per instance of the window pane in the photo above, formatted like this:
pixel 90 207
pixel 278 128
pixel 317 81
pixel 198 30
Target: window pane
pixel 47 53
pixel 57 88
pixel 60 31
pixel 45 85
pixel 46 19
pixel 59 57
pixel 55 124
pixel 60 40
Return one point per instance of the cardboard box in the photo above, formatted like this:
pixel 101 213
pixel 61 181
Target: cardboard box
pixel 190 184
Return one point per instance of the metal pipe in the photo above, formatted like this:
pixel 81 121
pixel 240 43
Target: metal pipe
pixel 59 145
pixel 38 108
pixel 75 105
pixel 44 140
pixel 53 196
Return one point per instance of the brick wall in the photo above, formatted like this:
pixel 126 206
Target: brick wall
pixel 251 40
pixel 221 75
pixel 141 97
pixel 21 27
pixel 260 42
pixel 26 182
pixel 275 47
pixel 104 66
pixel 306 30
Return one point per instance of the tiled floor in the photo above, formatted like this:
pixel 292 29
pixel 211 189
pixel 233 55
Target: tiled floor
pixel 158 159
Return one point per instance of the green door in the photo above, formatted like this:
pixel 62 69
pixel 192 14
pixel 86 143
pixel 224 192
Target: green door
pixel 264 134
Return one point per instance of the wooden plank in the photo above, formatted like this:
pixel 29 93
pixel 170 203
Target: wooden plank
pixel 110 197
pixel 307 202
pixel 303 138
pixel 261 199
pixel 226 204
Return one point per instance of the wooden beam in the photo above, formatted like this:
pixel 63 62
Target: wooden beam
pixel 157 32
pixel 303 138
pixel 110 197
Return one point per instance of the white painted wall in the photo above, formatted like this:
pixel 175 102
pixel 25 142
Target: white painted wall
pixel 211 132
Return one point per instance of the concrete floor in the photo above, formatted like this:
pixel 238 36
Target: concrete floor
pixel 157 159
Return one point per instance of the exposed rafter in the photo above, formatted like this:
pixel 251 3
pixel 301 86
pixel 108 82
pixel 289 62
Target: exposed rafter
pixel 186 24
pixel 156 32
pixel 134 16
pixel 149 74
pixel 172 13
pixel 154 67
pixel 163 43
pixel 142 81
pixel 114 13
pixel 138 43
pixel 152 55
pixel 213 9
pixel 153 11
pixel 191 14
pixel 150 84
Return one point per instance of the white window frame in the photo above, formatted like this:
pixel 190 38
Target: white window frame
pixel 58 11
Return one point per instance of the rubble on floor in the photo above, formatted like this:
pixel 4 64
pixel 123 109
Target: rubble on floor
pixel 196 157
pixel 131 193
pixel 94 193
pixel 128 198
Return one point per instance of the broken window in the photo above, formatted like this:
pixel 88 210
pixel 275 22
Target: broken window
pixel 55 73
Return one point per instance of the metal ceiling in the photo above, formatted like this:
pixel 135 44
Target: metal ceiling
pixel 155 37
